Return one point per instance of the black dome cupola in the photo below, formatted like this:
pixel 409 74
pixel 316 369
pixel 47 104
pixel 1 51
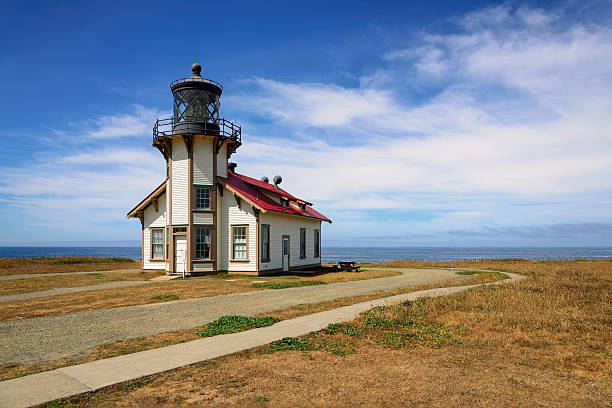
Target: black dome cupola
pixel 195 111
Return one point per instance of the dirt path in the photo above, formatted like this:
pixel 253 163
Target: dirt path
pixel 65 291
pixel 55 337
pixel 38 275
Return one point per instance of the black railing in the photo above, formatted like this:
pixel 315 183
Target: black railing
pixel 196 79
pixel 220 127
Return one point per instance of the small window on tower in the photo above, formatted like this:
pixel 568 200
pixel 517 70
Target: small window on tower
pixel 202 198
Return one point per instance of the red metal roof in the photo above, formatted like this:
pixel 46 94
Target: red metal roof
pixel 267 186
pixel 251 188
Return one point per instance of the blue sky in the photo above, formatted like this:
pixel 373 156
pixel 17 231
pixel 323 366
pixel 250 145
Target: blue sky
pixel 407 123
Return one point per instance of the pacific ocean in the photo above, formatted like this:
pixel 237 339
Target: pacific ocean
pixel 359 254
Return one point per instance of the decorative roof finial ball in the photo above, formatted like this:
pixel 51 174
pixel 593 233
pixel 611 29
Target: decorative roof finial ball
pixel 196 69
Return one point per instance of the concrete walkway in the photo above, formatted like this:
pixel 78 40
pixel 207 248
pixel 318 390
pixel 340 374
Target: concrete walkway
pixel 65 291
pixel 42 275
pixel 51 338
pixel 64 382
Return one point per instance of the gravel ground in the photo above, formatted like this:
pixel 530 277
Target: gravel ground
pixel 55 337
pixel 38 275
pixel 65 291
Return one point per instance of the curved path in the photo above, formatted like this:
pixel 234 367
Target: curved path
pixel 64 382
pixel 75 289
pixel 55 337
pixel 42 275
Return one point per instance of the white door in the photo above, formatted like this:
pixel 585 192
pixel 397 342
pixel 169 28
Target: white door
pixel 285 254
pixel 180 253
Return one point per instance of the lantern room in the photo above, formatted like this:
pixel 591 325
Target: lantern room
pixel 196 104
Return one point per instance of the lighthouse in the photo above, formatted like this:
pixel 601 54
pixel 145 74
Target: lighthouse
pixel 205 217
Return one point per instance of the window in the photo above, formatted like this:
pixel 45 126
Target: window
pixel 285 202
pixel 317 243
pixel 302 243
pixel 157 243
pixel 239 243
pixel 302 206
pixel 265 242
pixel 202 197
pixel 180 229
pixel 202 244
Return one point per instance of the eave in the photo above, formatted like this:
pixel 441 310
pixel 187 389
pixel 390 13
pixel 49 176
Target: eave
pixel 151 199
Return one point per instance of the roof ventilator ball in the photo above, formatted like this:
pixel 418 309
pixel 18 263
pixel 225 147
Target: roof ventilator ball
pixel 277 181
pixel 265 179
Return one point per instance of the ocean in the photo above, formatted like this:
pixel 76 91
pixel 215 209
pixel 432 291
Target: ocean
pixel 365 254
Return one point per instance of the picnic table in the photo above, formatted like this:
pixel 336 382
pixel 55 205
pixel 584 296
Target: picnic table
pixel 349 266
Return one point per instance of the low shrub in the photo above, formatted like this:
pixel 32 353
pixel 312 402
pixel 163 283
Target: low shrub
pixel 235 324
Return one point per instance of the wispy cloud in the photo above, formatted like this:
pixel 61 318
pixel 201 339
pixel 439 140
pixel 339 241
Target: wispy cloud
pixel 500 128
pixel 511 108
pixel 84 191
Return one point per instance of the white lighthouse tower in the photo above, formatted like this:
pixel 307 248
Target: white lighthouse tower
pixel 205 217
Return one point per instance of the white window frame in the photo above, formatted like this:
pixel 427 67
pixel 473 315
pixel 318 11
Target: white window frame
pixel 154 244
pixel 236 244
pixel 198 229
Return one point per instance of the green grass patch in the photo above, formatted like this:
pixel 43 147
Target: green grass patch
pixel 305 344
pixel 290 343
pixel 343 328
pixel 498 275
pixel 285 285
pixel 235 324
pixel 261 398
pixel 468 273
pixel 400 326
pixel 165 297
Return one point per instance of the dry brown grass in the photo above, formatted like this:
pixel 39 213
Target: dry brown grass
pixel 16 286
pixel 185 289
pixel 545 341
pixel 179 336
pixel 16 266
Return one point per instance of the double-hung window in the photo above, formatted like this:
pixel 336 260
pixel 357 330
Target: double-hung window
pixel 239 243
pixel 202 198
pixel 302 243
pixel 157 243
pixel 202 243
pixel 265 242
pixel 317 243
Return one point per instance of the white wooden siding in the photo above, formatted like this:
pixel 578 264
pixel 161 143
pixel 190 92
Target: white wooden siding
pixel 203 218
pixel 230 214
pixel 222 161
pixel 202 161
pixel 180 170
pixel 202 266
pixel 153 218
pixel 289 225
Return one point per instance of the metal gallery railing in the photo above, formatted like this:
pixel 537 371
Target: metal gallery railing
pixel 196 79
pixel 220 127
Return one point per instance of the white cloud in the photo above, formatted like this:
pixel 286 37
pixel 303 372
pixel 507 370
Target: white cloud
pixel 85 193
pixel 521 115
pixel 513 131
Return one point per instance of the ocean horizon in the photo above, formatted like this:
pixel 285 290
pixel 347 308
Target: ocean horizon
pixel 358 254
